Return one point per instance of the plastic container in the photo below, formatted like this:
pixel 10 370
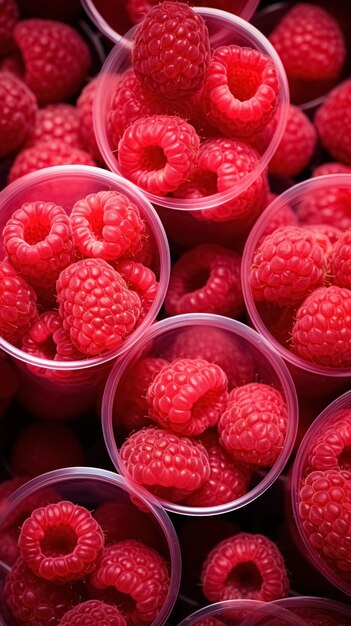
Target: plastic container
pixel 217 339
pixel 181 226
pixel 91 487
pixel 310 379
pixel 73 395
pixel 300 471
pixel 309 606
pixel 244 613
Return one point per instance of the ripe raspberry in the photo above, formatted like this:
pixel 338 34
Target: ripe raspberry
pixel 42 447
pixel 107 225
pixel 85 118
pixel 288 264
pixel 9 15
pixel 296 147
pixel 158 153
pixel 97 308
pixel 330 232
pixel 187 396
pixel 140 279
pixel 156 458
pixel 308 31
pixel 253 427
pixel 93 613
pixel 330 205
pixel 18 110
pixel 47 154
pixel 141 526
pixel 241 90
pixel 206 279
pixel 325 512
pixel 245 566
pixel 57 122
pixel 171 50
pixel 331 168
pixel 39 243
pixel 61 542
pixel 34 601
pixel 340 261
pixel 331 446
pixel 56 59
pixel 333 122
pixel 18 303
pixel 228 480
pixel 322 330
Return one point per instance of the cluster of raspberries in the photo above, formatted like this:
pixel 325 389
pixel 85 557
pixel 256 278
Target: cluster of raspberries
pixel 75 285
pixel 75 567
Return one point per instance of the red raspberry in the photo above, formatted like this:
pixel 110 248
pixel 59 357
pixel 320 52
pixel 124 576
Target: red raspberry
pixel 171 50
pixel 158 153
pixel 139 576
pixel 288 264
pixel 156 458
pixel 228 479
pixel 330 232
pixel 253 427
pixel 187 396
pixel 17 116
pixel 340 261
pixel 330 205
pixel 47 154
pixel 57 122
pixel 46 339
pixel 325 512
pixel 9 15
pixel 140 525
pixel 56 59
pixel 331 168
pixel 97 308
pixel 330 448
pixel 107 225
pixel 18 303
pixel 333 122
pixel 140 279
pixel 85 118
pixel 42 447
pixel 241 90
pixel 206 279
pixel 93 613
pixel 296 147
pixel 309 30
pixel 245 566
pixel 34 601
pixel 322 330
pixel 61 542
pixel 39 243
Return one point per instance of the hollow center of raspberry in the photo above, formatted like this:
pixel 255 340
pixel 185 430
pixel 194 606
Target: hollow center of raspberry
pixel 245 577
pixel 152 158
pixel 35 232
pixel 197 279
pixel 97 224
pixel 344 460
pixel 59 541
pixel 243 83
pixel 205 405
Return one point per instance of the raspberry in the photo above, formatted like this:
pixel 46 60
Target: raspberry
pixel 18 303
pixel 331 168
pixel 331 446
pixel 56 59
pixel 9 15
pixel 57 122
pixel 61 542
pixel 289 263
pixel 330 232
pixel 97 308
pixel 140 279
pixel 308 31
pixel 141 526
pixel 158 153
pixel 42 447
pixel 228 480
pixel 171 50
pixel 333 122
pixel 107 225
pixel 330 205
pixel 340 261
pixel 322 330
pixel 47 154
pixel 18 110
pixel 241 90
pixel 187 396
pixel 325 512
pixel 285 216
pixel 296 147
pixel 93 613
pixel 253 427
pixel 156 458
pixel 39 243
pixel 206 279
pixel 85 118
pixel 139 576
pixel 46 339
pixel 34 601
pixel 245 566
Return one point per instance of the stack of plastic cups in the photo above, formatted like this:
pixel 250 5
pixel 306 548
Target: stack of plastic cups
pixel 243 613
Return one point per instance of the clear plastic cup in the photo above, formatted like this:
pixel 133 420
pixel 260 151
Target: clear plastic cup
pixel 223 341
pixel 311 379
pixel 91 487
pixel 299 472
pixel 310 606
pixel 178 214
pixel 63 395
pixel 243 613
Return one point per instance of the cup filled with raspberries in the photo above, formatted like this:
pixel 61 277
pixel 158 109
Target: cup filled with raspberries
pixel 315 610
pixel 87 544
pixel 201 413
pixel 296 281
pixel 321 492
pixel 192 115
pixel 84 271
pixel 243 613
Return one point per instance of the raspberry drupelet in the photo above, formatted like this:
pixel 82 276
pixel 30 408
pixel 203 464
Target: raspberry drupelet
pixel 93 613
pixel 18 303
pixel 18 111
pixel 333 122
